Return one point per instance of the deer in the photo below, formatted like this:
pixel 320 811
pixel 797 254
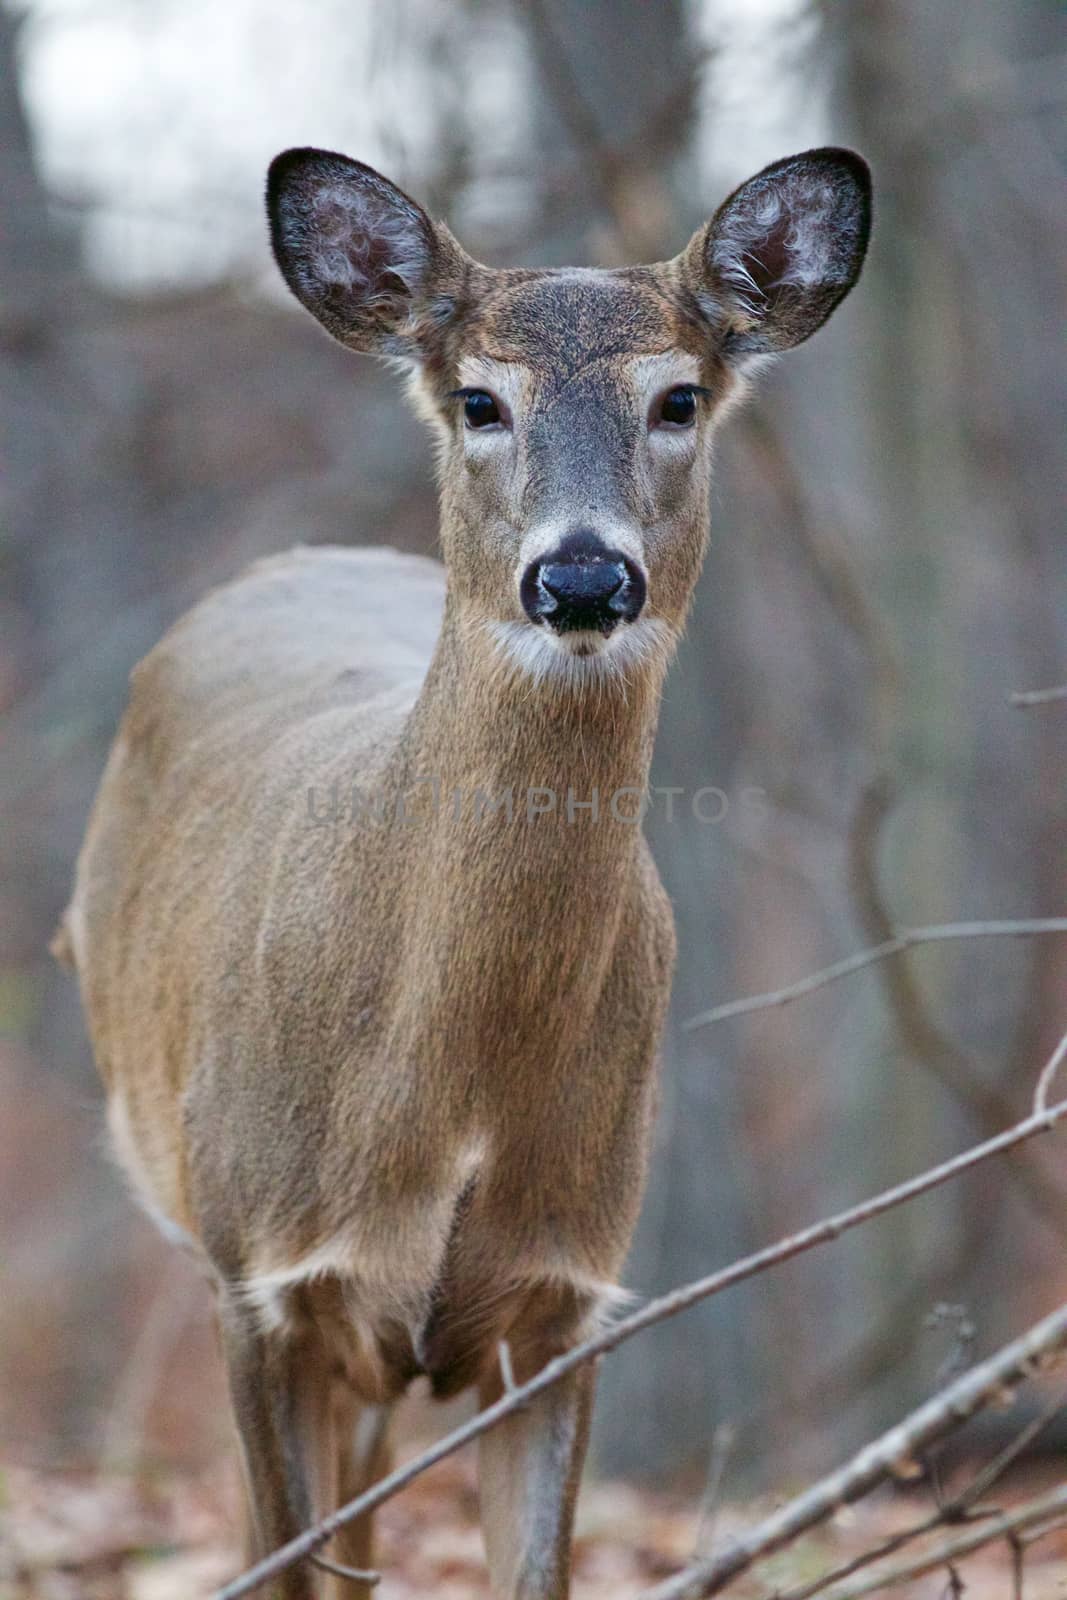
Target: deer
pixel 389 1070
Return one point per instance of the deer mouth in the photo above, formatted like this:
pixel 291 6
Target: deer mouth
pixel 585 643
pixel 576 658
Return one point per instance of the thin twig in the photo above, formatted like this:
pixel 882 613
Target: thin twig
pixel 1043 1529
pixel 960 1508
pixel 906 939
pixel 655 1311
pixel 1038 697
pixel 828 552
pixel 507 1371
pixel 353 1574
pixel 994 1470
pixel 866 1558
pixel 1044 1083
pixel 722 1443
pixel 1049 1509
pixel 978 1093
pixel 964 1333
pixel 891 1455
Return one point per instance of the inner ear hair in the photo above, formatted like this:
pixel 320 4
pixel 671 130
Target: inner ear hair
pixel 784 249
pixel 357 251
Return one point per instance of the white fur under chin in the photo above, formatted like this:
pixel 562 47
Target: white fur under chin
pixel 574 661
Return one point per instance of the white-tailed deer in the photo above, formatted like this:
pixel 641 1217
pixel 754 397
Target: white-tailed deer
pixel 374 957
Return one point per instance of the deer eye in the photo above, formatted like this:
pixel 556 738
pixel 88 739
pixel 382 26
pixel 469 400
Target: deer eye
pixel 678 409
pixel 480 410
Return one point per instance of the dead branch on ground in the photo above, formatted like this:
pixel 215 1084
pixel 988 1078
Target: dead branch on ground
pixel 961 1507
pixel 1037 1517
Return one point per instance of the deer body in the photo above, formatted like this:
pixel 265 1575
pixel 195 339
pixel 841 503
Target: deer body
pixel 387 1065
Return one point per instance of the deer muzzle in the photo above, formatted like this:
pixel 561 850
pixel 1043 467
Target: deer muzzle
pixel 583 585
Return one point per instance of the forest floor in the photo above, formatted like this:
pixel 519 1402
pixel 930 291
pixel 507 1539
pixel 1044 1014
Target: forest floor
pixel 158 1537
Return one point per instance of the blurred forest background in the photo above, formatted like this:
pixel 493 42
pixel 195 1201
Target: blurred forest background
pixel 887 565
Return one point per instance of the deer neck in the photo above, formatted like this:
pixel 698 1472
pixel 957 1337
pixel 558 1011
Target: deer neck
pixel 480 727
pixel 522 847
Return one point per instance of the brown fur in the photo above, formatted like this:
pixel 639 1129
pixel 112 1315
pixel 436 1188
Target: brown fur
pixel 407 1062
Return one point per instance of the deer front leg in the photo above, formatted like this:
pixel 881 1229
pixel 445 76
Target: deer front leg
pixel 277 1404
pixel 529 1468
pixel 362 1457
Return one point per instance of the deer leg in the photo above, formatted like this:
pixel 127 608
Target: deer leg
pixel 361 1457
pixel 528 1468
pixel 277 1396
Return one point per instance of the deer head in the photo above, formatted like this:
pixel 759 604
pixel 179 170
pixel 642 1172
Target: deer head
pixel 573 408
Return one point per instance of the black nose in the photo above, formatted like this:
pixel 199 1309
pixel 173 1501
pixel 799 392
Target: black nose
pixel 583 584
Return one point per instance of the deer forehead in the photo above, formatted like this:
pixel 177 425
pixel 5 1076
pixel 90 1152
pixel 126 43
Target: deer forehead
pixel 558 325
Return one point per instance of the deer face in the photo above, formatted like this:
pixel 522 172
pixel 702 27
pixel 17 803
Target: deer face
pixel 576 451
pixel 573 409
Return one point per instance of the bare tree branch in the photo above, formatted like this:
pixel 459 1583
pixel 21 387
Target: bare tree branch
pixel 1049 1509
pixel 891 1455
pixel 977 1092
pixel 668 1305
pixel 960 1508
pixel 623 174
pixel 828 554
pixel 906 939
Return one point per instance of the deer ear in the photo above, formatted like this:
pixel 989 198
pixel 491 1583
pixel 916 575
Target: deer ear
pixel 358 253
pixel 782 251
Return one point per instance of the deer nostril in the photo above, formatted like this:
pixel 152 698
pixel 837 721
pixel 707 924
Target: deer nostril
pixel 583 589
